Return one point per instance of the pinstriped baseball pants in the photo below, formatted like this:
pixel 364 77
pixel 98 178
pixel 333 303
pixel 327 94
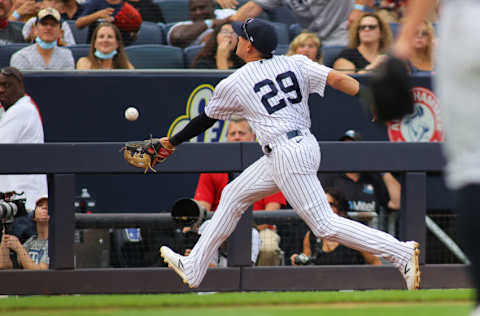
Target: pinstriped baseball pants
pixel 291 167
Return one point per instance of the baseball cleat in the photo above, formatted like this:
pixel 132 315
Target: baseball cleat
pixel 174 261
pixel 411 270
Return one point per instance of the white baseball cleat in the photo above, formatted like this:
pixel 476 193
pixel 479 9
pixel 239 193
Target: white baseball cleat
pixel 411 270
pixel 476 312
pixel 174 261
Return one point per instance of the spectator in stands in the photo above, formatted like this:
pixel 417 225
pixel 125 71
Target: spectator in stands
pixel 422 58
pixel 33 254
pixel 368 194
pixel 24 10
pixel 328 19
pixel 391 11
pixel 29 30
pixel 210 187
pixel 20 123
pixel 8 32
pixel 219 50
pixel 308 44
pixel 369 38
pixel 203 20
pixel 71 10
pixel 106 50
pixel 326 252
pixel 45 54
pixel 119 12
pixel 149 10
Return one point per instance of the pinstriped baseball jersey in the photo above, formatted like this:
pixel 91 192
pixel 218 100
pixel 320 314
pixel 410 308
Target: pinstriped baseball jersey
pixel 272 94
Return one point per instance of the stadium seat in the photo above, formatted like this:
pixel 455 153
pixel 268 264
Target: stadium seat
pixel 282 14
pixel 17 24
pixel 79 50
pixel 150 33
pixel 330 53
pixel 174 10
pixel 80 35
pixel 294 30
pixel 189 54
pixel 7 51
pixel 281 49
pixel 394 27
pixel 282 32
pixel 153 56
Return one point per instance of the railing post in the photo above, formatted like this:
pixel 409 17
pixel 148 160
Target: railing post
pixel 62 221
pixel 414 209
pixel 240 242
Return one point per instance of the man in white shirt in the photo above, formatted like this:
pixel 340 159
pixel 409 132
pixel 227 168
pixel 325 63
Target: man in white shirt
pixel 21 123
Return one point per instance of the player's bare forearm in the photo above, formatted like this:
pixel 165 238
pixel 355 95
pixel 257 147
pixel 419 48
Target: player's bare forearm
pixel 417 10
pixel 248 10
pixel 342 82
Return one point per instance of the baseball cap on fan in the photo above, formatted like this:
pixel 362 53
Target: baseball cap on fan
pixel 48 12
pixel 260 33
pixel 350 135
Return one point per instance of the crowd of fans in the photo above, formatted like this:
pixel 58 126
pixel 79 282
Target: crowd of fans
pixel 362 28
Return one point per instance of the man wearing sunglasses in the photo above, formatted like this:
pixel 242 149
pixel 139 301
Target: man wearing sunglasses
pixel 20 123
pixel 272 93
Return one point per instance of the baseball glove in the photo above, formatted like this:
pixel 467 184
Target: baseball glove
pixel 389 96
pixel 146 154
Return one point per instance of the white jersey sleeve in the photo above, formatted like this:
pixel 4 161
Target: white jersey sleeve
pixel 224 101
pixel 315 73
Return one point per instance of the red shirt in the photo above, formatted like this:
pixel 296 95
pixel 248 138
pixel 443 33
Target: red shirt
pixel 210 187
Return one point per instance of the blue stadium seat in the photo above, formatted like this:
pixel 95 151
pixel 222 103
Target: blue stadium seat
pixel 80 35
pixel 294 30
pixel 282 32
pixel 394 27
pixel 282 14
pixel 330 54
pixel 150 33
pixel 17 24
pixel 7 51
pixel 281 49
pixel 189 54
pixel 79 50
pixel 153 56
pixel 174 10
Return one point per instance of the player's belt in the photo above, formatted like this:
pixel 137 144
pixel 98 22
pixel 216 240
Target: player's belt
pixel 267 149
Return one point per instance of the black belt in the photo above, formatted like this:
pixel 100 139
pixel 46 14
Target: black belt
pixel 290 135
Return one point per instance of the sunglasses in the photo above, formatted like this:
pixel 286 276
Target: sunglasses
pixel 225 32
pixel 8 72
pixel 244 28
pixel 423 34
pixel 370 27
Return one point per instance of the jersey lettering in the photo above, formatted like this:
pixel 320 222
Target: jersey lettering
pixel 288 83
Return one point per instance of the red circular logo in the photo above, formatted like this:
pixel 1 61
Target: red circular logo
pixel 424 125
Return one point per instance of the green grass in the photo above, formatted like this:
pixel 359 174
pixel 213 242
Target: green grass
pixel 371 303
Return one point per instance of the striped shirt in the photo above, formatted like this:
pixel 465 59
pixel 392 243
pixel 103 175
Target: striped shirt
pixel 272 94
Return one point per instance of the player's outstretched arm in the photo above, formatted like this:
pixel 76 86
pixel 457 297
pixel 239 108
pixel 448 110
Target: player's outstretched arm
pixel 343 82
pixel 195 127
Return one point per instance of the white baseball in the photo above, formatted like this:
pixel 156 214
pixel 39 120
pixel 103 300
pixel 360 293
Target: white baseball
pixel 131 113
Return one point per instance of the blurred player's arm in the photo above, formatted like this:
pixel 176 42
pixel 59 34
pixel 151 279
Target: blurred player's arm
pixel 417 10
pixel 248 10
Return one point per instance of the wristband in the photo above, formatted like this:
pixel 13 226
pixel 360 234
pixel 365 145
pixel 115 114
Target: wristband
pixel 16 15
pixel 209 23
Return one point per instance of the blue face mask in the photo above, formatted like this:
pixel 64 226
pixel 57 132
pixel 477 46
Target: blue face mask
pixel 45 45
pixel 101 55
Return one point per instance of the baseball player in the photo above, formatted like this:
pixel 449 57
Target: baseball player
pixel 271 92
pixel 457 81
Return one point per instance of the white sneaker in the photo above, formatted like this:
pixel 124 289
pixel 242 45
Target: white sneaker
pixel 476 312
pixel 174 261
pixel 411 270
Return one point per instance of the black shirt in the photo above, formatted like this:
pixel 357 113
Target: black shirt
pixel 353 55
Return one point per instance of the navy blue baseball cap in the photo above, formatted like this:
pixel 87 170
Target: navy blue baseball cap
pixel 260 33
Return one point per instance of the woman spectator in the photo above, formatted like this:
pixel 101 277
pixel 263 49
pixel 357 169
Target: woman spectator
pixel 106 50
pixel 325 252
pixel 219 50
pixel 369 38
pixel 422 60
pixel 307 44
